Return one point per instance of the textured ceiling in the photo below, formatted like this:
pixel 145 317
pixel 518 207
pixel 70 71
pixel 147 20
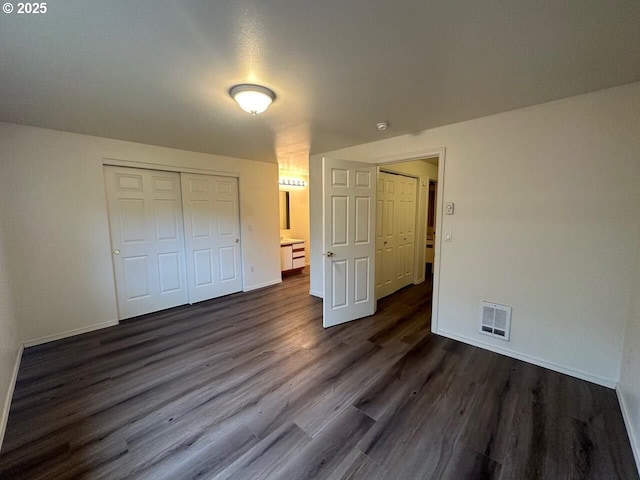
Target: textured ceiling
pixel 159 72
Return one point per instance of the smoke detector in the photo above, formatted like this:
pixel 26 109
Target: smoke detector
pixel 382 126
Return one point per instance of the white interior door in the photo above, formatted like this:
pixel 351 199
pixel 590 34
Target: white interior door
pixel 145 216
pixel 212 235
pixel 386 263
pixel 406 230
pixel 395 232
pixel 349 196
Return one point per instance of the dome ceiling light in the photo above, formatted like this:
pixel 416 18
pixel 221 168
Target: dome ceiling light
pixel 252 98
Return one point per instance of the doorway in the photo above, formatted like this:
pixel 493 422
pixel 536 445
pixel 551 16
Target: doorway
pixel 424 171
pixel 430 245
pixel 345 184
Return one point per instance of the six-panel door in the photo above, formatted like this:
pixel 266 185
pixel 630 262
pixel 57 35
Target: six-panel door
pixel 212 235
pixel 349 194
pixel 174 240
pixel 145 217
pixel 395 232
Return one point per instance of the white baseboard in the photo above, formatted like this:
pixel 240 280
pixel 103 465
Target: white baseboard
pixel 69 333
pixel 316 294
pixel 605 382
pixel 7 401
pixel 635 441
pixel 262 285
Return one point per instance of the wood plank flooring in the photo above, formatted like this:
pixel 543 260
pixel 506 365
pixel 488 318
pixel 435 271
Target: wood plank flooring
pixel 250 386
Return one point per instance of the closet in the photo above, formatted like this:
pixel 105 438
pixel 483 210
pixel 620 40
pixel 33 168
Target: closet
pixel 395 232
pixel 175 238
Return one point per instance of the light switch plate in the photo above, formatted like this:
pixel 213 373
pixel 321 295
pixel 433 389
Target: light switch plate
pixel 448 236
pixel 449 208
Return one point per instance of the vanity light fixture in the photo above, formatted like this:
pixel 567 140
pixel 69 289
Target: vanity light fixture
pixel 292 182
pixel 252 98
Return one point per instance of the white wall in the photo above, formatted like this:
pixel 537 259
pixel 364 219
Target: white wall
pixel 53 205
pixel 10 345
pixel 629 386
pixel 547 210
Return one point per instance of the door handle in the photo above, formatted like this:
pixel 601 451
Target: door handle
pixel 116 252
pixel 237 240
pixel 329 254
pixel 385 243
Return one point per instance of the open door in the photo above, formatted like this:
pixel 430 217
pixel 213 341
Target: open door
pixel 349 198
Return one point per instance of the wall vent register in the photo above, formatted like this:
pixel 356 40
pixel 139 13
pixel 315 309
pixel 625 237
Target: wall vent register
pixel 495 320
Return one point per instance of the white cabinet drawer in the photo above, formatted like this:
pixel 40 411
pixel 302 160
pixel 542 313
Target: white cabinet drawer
pixel 298 262
pixel 298 246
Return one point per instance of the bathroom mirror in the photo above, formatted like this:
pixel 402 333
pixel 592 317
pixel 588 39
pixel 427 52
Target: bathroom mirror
pixel 285 217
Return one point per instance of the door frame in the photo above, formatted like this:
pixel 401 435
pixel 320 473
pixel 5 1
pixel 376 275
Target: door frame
pixel 114 162
pixel 420 155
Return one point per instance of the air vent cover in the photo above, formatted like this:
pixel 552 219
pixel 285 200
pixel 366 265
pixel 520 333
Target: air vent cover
pixel 495 320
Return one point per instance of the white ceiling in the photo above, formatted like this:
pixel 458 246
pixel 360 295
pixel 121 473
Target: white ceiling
pixel 159 72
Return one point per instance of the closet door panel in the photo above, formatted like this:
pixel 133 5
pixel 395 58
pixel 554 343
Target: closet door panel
pixel 145 218
pixel 212 240
pixel 395 232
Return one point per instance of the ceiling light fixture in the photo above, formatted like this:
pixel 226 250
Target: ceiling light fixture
pixel 252 98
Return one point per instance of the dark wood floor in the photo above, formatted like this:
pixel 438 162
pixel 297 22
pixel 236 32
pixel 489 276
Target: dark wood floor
pixel 250 386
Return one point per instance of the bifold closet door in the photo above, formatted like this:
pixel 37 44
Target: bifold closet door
pixel 386 212
pixel 145 217
pixel 405 230
pixel 212 235
pixel 395 232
